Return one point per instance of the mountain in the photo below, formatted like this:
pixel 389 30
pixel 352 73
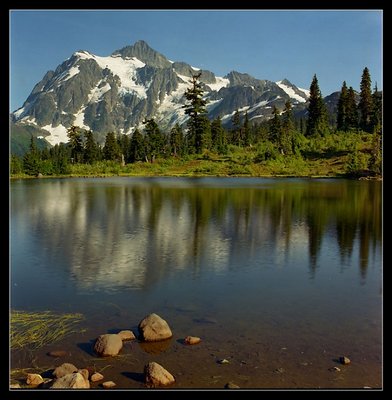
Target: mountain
pixel 117 92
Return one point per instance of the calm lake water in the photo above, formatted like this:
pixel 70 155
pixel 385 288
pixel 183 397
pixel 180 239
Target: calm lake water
pixel 279 276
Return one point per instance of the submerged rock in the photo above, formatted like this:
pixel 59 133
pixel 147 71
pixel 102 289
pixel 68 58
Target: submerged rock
pixel 109 344
pixel 57 353
pixel 192 340
pixel 344 360
pixel 156 375
pixel 154 328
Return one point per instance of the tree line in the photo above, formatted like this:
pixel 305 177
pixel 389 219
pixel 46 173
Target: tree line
pixel 282 134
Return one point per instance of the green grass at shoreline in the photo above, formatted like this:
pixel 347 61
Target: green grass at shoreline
pixel 290 166
pixel 329 156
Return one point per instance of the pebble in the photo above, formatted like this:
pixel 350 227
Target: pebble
pixel 231 385
pixel 333 369
pixel 223 361
pixel 108 384
pixel 344 360
pixel 96 377
pixel 126 335
pixel 57 353
pixel 192 340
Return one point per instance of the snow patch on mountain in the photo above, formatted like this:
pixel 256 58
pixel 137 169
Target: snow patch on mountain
pixel 212 104
pixel 125 69
pixel 291 92
pixel 97 93
pixel 72 72
pixel 172 103
pixel 306 91
pixel 219 84
pixel 19 112
pixel 79 119
pixel 58 134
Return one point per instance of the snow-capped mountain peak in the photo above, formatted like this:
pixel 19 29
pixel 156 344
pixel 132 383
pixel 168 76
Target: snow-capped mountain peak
pixel 117 92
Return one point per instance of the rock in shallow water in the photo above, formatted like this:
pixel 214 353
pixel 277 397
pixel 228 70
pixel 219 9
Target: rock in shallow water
pixel 71 381
pixel 64 369
pixel 344 360
pixel 154 328
pixel 156 375
pixel 192 340
pixel 109 344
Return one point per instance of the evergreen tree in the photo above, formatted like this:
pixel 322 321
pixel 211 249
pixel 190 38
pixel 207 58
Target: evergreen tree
pixel 236 135
pixel 123 142
pixel 342 109
pixel 176 141
pixel 317 123
pixel 275 126
pixel 154 140
pixel 137 147
pixel 75 144
pixel 218 136
pixel 195 109
pixel 91 149
pixel 111 149
pixel 246 130
pixel 351 110
pixel 376 120
pixel 60 155
pixel 32 159
pixel 301 126
pixel 16 164
pixel 205 132
pixel 365 101
pixel 287 131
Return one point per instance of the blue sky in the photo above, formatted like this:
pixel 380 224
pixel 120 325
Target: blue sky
pixel 333 44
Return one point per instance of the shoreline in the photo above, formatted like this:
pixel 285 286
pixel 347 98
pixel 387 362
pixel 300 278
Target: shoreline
pixel 127 175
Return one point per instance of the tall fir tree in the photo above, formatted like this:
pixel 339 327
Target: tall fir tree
pixel 111 149
pixel 376 119
pixel 246 130
pixel 275 126
pixel 137 151
pixel 287 130
pixel 195 108
pixel 236 132
pixel 176 140
pixel 351 110
pixel 91 149
pixel 75 143
pixel 154 140
pixel 342 109
pixel 123 143
pixel 218 135
pixel 32 159
pixel 365 105
pixel 317 123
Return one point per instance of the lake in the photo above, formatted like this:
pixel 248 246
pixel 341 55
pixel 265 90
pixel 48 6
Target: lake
pixel 280 277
